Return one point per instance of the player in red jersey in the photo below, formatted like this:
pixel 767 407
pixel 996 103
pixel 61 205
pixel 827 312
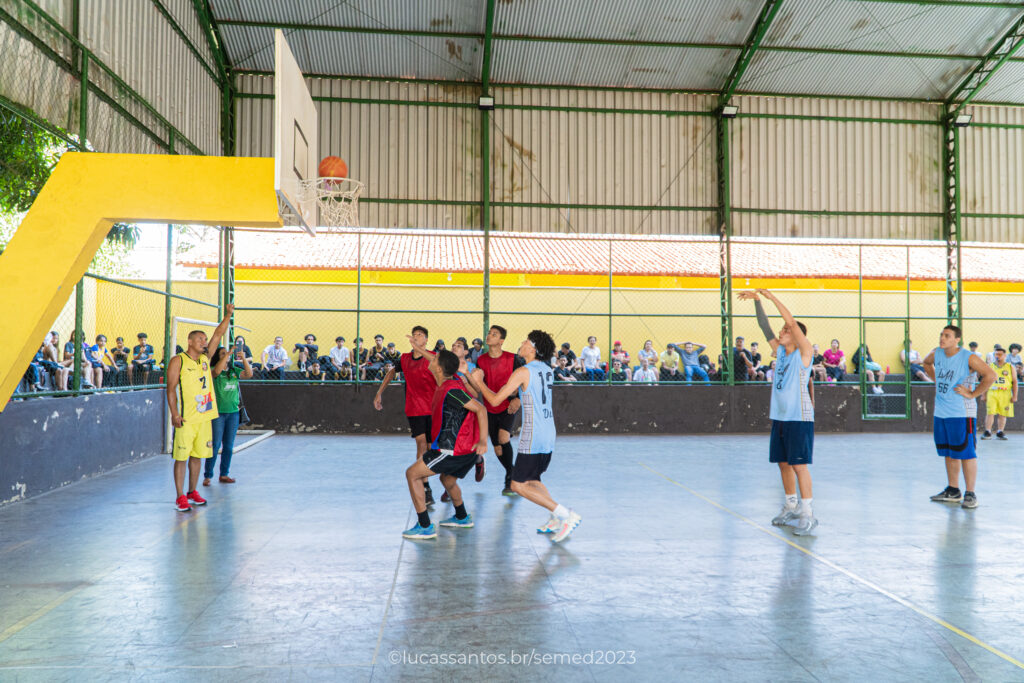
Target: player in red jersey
pixel 497 367
pixel 458 432
pixel 420 385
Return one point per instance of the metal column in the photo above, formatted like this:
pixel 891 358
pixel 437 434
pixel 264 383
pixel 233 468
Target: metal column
pixel 724 247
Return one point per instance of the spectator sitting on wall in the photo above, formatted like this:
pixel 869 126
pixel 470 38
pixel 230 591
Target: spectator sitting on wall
pixel 973 346
pixel 308 354
pixel 646 372
pixel 670 362
pixel 769 372
pixel 101 370
pixel 690 352
pixel 275 359
pixel 34 371
pixel 567 353
pixel 82 350
pixel 757 370
pixel 835 366
pixel 647 352
pixel 914 365
pixel 866 364
pixel 239 343
pixel 340 368
pixel 1014 358
pixel 818 364
pixel 477 350
pixel 375 360
pixel 142 360
pixel 591 358
pixel 61 371
pixel 742 364
pixel 707 366
pixel 392 357
pixel 560 369
pixel 621 355
pixel 618 373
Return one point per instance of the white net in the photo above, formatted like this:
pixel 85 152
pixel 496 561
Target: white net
pixel 338 199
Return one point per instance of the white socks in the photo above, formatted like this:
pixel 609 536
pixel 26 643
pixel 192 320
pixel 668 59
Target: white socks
pixel 805 507
pixel 791 502
pixel 561 512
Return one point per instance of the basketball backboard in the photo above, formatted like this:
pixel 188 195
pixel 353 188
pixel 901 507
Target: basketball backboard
pixel 296 150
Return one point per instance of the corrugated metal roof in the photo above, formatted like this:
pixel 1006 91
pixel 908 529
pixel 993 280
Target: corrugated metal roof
pixel 1007 85
pixel 457 16
pixel 618 65
pixel 326 52
pixel 856 75
pixel 462 252
pixel 679 21
pixel 889 27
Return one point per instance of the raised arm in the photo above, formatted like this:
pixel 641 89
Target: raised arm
pixel 420 348
pixel 802 342
pixel 218 333
pixel 221 365
pixel 762 318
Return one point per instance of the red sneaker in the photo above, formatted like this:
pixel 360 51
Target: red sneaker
pixel 480 468
pixel 181 504
pixel 195 499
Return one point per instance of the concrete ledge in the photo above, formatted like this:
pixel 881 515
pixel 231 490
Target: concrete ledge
pixel 46 443
pixel 348 409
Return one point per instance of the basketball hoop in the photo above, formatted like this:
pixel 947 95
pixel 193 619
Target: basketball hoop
pixel 338 199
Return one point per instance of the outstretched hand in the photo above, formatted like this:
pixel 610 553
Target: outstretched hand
pixel 748 296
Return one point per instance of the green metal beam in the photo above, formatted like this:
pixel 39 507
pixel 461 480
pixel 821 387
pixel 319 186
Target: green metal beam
pixel 951 222
pixel 27 114
pixel 1005 47
pixel 724 247
pixel 213 40
pixel 485 71
pixel 757 34
pixel 123 88
pixel 372 30
pixel 176 27
pixel 485 164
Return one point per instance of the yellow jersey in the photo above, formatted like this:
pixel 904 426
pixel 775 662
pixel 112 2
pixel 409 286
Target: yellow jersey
pixel 196 398
pixel 1004 377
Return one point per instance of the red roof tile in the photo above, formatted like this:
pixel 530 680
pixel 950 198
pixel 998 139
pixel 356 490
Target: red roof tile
pixel 462 252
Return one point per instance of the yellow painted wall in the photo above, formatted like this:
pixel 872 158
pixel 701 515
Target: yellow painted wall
pixel 570 307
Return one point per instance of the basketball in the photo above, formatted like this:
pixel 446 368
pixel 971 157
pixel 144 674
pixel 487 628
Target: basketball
pixel 333 167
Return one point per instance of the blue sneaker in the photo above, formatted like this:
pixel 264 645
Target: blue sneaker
pixel 466 522
pixel 418 533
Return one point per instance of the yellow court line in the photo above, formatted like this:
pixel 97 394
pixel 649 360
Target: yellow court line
pixel 828 563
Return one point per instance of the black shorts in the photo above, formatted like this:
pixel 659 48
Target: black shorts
pixel 529 466
pixel 455 465
pixel 419 424
pixel 497 421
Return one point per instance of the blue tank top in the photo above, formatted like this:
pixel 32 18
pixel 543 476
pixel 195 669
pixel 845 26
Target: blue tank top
pixel 791 399
pixel 538 432
pixel 951 372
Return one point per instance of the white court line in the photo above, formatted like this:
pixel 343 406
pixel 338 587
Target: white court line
pixel 828 563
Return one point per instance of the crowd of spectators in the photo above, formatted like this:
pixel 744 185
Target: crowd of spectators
pixel 678 362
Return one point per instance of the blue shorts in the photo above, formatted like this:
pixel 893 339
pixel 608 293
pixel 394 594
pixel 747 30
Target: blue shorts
pixel 792 442
pixel 955 437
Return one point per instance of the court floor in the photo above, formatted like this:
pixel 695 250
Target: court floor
pixel 299 572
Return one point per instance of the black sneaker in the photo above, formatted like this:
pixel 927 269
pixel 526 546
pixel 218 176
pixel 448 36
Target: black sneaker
pixel 430 496
pixel 445 498
pixel 507 491
pixel 986 435
pixel 949 494
pixel 970 501
pixel 1001 436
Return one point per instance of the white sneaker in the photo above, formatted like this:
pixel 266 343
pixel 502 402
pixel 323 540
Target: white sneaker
pixel 787 515
pixel 567 527
pixel 552 526
pixel 877 390
pixel 805 525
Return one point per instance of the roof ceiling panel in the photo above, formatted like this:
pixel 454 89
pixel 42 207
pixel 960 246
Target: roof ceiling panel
pixel 357 54
pixel 1007 85
pixel 678 21
pixel 852 75
pixel 889 27
pixel 611 65
pixel 459 16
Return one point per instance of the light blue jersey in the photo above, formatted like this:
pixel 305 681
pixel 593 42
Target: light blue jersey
pixel 791 399
pixel 538 432
pixel 951 372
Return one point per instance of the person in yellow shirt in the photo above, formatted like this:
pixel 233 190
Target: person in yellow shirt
pixel 193 406
pixel 1001 396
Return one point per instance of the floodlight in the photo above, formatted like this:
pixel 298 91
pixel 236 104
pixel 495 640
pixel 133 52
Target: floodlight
pixel 729 111
pixel 485 103
pixel 962 120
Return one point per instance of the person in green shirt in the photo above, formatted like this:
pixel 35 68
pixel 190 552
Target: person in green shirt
pixel 225 426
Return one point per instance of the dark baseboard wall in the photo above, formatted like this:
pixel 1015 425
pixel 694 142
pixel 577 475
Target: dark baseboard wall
pixel 347 409
pixel 46 443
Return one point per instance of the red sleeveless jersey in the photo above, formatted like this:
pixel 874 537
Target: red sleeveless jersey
pixel 497 372
pixel 453 427
pixel 419 384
